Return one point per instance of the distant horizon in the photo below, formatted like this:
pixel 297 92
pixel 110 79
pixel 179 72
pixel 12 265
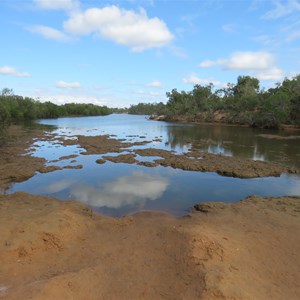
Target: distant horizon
pixel 120 53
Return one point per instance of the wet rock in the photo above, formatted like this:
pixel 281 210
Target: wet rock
pixel 154 152
pixel 147 164
pixel 100 161
pixel 74 167
pixel 68 156
pixel 49 169
pixel 123 158
pixel 224 165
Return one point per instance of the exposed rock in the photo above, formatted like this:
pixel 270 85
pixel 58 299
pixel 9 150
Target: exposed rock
pixel 123 158
pixel 16 163
pixel 73 167
pixel 68 156
pixel 147 164
pixel 154 152
pixel 49 169
pixel 224 165
pixel 100 161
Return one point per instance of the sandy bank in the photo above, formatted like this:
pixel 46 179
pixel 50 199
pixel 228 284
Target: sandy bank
pixel 53 249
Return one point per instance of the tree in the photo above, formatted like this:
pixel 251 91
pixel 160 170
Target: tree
pixel 246 86
pixel 7 92
pixel 202 95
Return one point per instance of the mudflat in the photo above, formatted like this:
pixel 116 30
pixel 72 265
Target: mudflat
pixel 17 164
pixel 52 249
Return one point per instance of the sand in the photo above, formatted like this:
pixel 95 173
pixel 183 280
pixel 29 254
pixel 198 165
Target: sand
pixel 53 249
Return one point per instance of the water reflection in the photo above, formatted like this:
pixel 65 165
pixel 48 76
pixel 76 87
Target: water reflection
pixel 241 142
pixel 132 189
pixel 118 189
pixel 58 186
pixel 295 188
pixel 219 139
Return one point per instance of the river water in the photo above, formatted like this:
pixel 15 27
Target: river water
pixel 119 189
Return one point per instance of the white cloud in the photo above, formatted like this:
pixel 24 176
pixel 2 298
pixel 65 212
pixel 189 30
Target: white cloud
pixel 154 94
pixel 74 95
pixel 229 27
pixel 57 4
pixel 270 74
pixel 282 9
pixel 264 39
pixel 50 33
pixel 261 64
pixel 178 52
pixel 156 84
pixel 102 87
pixel 209 63
pixel 75 98
pixel 138 92
pixel 249 61
pixel 293 36
pixel 147 96
pixel 132 29
pixel 67 85
pixel 196 80
pixel 6 70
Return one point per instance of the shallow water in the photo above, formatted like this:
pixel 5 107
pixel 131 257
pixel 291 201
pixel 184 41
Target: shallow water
pixel 118 189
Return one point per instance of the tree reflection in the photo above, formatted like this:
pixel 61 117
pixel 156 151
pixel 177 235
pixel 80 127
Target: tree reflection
pixel 241 142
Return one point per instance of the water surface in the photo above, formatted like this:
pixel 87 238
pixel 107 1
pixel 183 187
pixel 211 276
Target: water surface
pixel 118 189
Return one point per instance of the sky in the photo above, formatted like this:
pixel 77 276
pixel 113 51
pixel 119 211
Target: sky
pixel 118 53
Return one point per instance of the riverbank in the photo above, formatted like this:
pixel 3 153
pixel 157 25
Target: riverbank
pixel 216 118
pixel 245 250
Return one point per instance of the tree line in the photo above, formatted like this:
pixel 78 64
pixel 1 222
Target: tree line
pixel 241 103
pixel 14 108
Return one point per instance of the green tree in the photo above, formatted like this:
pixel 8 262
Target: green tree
pixel 246 86
pixel 7 92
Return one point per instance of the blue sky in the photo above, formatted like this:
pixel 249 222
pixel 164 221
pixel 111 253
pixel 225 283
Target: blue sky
pixel 118 53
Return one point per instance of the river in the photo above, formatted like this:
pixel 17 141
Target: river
pixel 119 189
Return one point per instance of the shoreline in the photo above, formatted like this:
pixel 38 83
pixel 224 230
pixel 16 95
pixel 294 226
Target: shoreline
pixel 188 120
pixel 242 250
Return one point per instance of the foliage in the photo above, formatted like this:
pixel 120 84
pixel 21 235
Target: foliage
pixel 147 109
pixel 14 108
pixel 242 103
pixel 117 110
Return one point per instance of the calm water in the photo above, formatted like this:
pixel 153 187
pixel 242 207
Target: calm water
pixel 118 189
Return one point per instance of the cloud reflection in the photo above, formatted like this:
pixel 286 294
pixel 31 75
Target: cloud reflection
pixel 58 186
pixel 295 188
pixel 126 190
